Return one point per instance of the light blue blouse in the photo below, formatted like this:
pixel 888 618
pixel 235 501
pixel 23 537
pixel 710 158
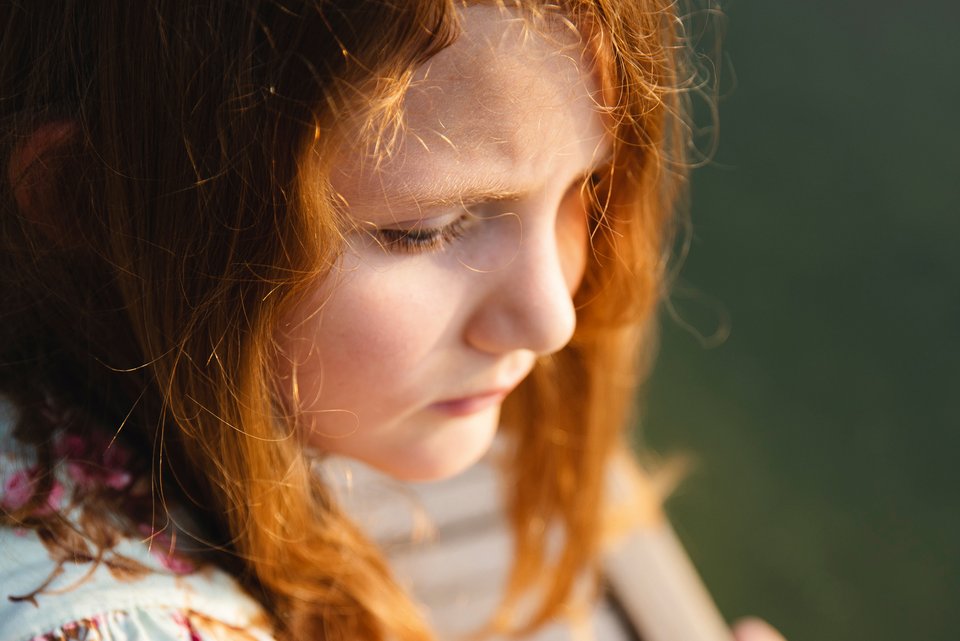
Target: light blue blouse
pixel 56 585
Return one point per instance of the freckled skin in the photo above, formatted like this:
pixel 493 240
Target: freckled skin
pixel 390 336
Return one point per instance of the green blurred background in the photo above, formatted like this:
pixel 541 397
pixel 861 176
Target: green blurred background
pixel 826 427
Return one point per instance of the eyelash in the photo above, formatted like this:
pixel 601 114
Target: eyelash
pixel 418 239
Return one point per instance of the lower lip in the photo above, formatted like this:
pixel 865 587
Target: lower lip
pixel 469 405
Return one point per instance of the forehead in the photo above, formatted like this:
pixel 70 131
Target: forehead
pixel 506 103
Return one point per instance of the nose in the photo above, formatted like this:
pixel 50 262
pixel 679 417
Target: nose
pixel 527 304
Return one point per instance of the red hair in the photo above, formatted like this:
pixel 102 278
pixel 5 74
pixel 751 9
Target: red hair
pixel 185 230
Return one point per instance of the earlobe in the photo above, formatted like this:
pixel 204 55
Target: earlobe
pixel 31 176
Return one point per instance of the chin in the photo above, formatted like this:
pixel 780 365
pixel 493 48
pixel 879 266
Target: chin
pixel 444 452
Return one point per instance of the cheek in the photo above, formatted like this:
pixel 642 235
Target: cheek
pixel 369 340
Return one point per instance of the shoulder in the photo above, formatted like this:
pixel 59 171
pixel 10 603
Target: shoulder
pixel 126 594
pixel 144 624
pixel 67 574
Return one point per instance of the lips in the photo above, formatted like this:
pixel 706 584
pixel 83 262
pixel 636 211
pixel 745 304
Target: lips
pixel 500 385
pixel 467 405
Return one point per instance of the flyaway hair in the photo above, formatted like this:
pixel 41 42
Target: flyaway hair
pixel 177 225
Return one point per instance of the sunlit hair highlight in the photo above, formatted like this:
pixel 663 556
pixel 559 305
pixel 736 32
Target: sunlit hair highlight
pixel 192 212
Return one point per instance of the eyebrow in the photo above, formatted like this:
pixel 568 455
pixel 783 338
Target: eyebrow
pixel 465 190
pixel 462 190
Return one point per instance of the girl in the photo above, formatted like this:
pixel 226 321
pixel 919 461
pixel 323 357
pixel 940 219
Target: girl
pixel 239 237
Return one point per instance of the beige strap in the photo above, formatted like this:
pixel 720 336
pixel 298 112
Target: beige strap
pixel 660 590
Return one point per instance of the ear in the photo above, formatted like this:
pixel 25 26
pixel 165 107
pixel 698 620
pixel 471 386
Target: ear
pixel 31 175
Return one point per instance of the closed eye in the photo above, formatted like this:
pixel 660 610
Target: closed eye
pixel 420 239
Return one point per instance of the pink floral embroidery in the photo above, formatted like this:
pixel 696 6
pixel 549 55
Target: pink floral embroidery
pixel 71 446
pixel 20 488
pixel 176 563
pixel 95 462
pixel 163 549
pixel 181 619
pixel 54 500
pixel 82 630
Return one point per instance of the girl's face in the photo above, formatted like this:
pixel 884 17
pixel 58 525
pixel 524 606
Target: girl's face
pixel 466 245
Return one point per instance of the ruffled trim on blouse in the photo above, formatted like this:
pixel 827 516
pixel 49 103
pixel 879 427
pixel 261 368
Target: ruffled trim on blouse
pixel 68 578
